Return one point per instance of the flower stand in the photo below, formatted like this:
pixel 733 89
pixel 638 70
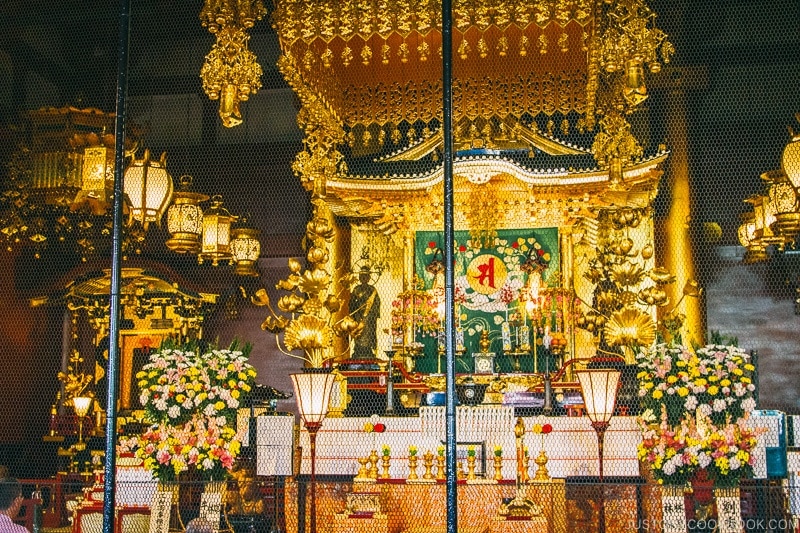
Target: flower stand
pixel 673 509
pixel 729 509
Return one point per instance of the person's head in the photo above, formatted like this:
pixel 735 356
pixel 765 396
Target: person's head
pixel 364 275
pixel 198 525
pixel 10 495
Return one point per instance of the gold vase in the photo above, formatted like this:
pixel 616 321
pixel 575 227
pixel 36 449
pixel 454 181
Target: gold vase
pixel 498 467
pixel 541 471
pixel 362 468
pixel 412 467
pixel 470 467
pixel 385 467
pixel 440 470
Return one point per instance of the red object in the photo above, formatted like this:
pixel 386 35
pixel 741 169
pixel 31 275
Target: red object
pixel 547 428
pixel 379 428
pixel 432 244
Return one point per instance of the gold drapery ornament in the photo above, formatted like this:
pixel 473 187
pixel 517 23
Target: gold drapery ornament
pixel 216 14
pixel 231 73
pixel 614 147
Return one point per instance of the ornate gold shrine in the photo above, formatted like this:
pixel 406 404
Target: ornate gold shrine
pixel 542 92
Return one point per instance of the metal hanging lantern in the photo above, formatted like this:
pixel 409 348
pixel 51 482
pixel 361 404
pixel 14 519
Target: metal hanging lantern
pixel 216 241
pixel 148 187
pixel 185 219
pixel 245 248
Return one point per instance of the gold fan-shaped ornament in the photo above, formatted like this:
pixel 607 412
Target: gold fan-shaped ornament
pixel 307 333
pixel 630 327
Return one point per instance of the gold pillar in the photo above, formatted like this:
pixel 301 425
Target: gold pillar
pixel 674 243
pixel 339 266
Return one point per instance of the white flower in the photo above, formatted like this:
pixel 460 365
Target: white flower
pixel 210 410
pixel 208 464
pixel 144 398
pixel 720 405
pixel 668 468
pixel 705 409
pixel 691 403
pixel 174 411
pixel 703 459
pixel 734 463
pixel 748 404
pixel 161 404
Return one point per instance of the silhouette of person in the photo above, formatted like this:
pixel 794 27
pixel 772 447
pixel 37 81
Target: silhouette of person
pixel 365 307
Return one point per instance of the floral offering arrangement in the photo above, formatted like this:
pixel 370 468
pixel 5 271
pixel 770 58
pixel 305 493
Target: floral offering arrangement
pixel 696 406
pixel 191 396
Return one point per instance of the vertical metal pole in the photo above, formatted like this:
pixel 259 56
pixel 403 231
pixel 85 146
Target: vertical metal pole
pixel 450 370
pixel 116 252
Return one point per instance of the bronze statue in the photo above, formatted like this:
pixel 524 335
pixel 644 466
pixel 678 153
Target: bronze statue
pixel 365 307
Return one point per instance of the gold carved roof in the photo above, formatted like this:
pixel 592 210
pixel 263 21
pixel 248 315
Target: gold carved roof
pixel 379 62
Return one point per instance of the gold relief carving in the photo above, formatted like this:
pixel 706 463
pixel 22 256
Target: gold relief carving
pixel 403 52
pixel 549 94
pixel 463 49
pixel 347 56
pixel 523 46
pixel 565 127
pixel 551 126
pixel 483 48
pixel 315 19
pixel 424 50
pixel 563 42
pixel 323 133
pixel 308 60
pixel 502 46
pixel 542 11
pixel 327 58
pixel 381 114
pixel 543 42
pixel 502 98
pixel 385 52
pixel 366 55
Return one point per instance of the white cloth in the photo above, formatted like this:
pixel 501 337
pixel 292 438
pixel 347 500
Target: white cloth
pixel 7 526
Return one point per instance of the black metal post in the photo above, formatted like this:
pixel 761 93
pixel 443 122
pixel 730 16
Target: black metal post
pixel 110 476
pixel 390 385
pixel 450 371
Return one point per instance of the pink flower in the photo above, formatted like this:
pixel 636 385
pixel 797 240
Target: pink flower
pixel 163 456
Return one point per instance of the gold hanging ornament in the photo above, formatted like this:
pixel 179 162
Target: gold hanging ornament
pixel 231 73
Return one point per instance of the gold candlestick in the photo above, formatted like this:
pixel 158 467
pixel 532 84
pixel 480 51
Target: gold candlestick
pixel 470 467
pixel 498 467
pixel 440 470
pixel 526 461
pixel 427 462
pixel 373 464
pixel 385 466
pixel 362 468
pixel 412 467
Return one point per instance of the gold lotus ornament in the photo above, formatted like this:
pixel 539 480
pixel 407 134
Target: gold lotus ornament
pixel 290 303
pixel 312 335
pixel 627 274
pixel 314 281
pixel 653 296
pixel 661 275
pixel 274 324
pixel 630 327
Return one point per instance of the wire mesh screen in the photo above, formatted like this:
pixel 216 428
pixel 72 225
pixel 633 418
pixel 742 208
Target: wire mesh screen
pixel 615 293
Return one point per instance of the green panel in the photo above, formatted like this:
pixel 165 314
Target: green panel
pixel 487 288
